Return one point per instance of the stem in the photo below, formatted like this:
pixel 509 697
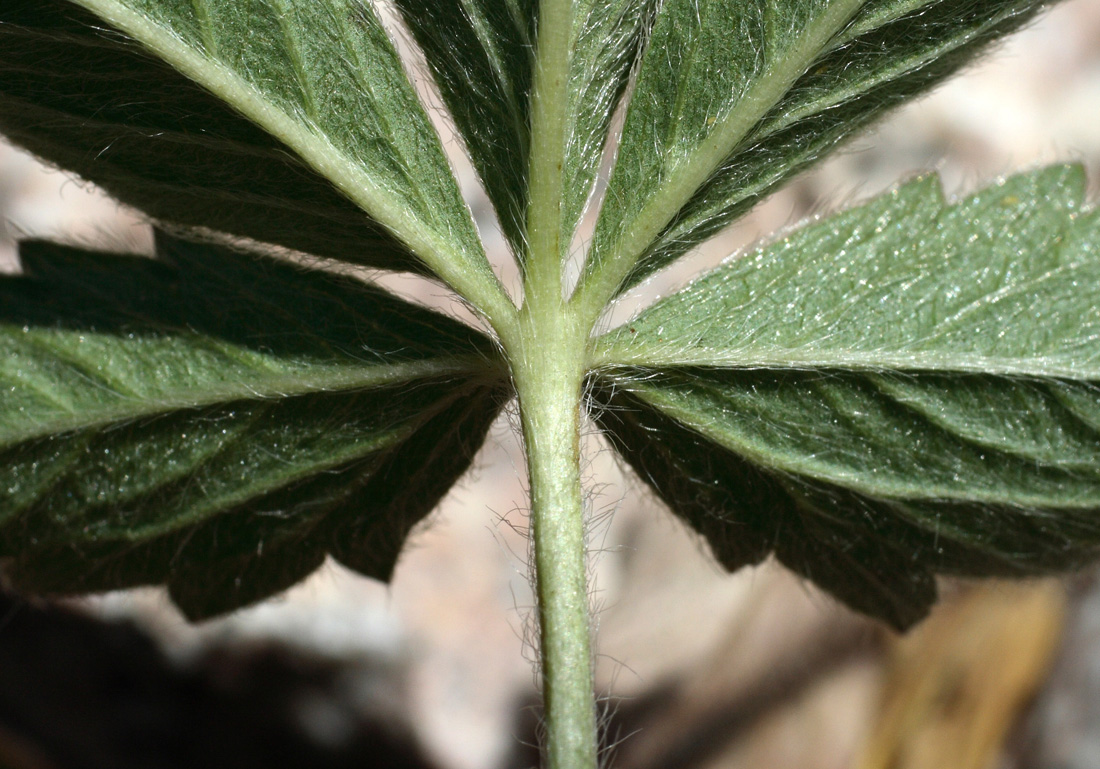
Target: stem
pixel 549 378
pixel 548 357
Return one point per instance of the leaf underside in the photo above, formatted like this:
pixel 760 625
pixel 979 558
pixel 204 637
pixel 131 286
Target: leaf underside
pixel 218 421
pixel 481 54
pixel 905 389
pixel 91 101
pixel 718 120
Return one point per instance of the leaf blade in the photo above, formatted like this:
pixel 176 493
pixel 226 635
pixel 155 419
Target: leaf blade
pixel 875 553
pixel 196 396
pixel 207 548
pixel 907 373
pixel 128 324
pixel 482 57
pixel 881 55
pixel 68 94
pixel 325 80
pixel 903 282
pixel 479 55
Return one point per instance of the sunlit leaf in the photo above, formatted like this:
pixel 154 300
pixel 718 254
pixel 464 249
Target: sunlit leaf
pixel 904 389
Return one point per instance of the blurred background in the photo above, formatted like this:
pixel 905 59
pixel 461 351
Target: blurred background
pixel 697 668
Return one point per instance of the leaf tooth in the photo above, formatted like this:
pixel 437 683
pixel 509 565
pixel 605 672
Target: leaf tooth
pixel 873 551
pixel 864 571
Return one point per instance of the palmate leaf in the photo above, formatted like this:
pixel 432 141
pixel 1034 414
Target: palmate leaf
pixel 904 389
pixel 735 97
pixel 322 78
pixel 481 53
pixel 219 421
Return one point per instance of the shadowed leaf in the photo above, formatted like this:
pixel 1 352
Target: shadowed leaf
pixel 321 78
pixel 482 55
pixel 219 421
pixel 85 98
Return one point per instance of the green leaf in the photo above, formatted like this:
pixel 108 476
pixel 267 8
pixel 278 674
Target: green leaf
pixel 904 389
pixel 999 282
pixel 481 53
pixel 324 80
pixel 219 421
pixel 717 121
pixel 90 101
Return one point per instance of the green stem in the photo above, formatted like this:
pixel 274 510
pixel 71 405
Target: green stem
pixel 548 357
pixel 549 375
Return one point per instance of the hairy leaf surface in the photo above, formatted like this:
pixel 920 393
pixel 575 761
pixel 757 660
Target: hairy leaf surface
pixel 906 388
pixel 89 100
pixel 482 55
pixel 324 79
pixel 1000 282
pixel 735 97
pixel 216 420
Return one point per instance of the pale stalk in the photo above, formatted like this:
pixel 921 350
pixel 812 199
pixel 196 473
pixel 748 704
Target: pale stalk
pixel 548 357
pixel 549 379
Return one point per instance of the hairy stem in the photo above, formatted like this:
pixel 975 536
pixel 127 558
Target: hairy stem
pixel 549 377
pixel 548 357
pixel 549 102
